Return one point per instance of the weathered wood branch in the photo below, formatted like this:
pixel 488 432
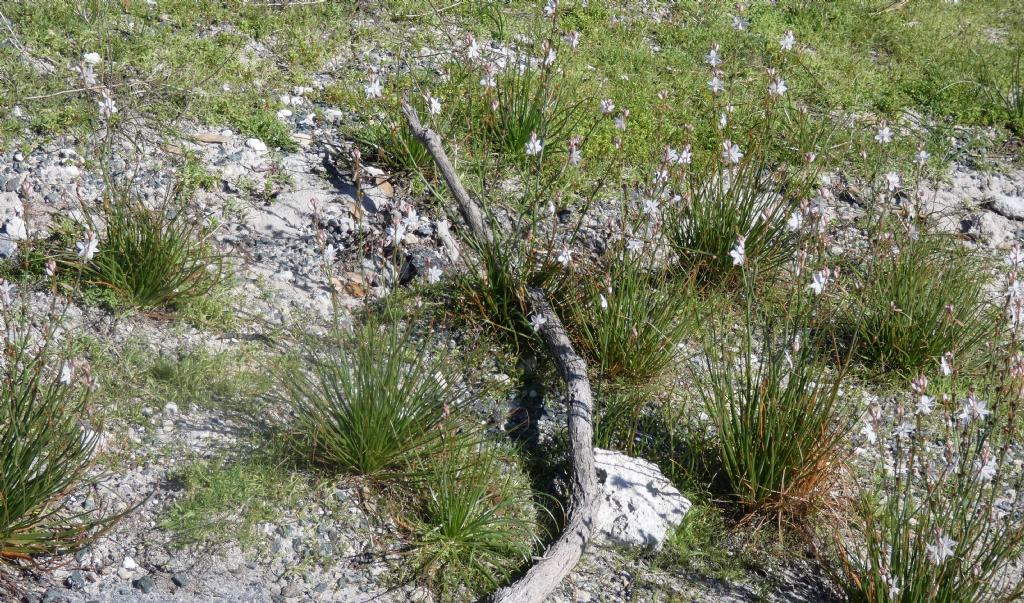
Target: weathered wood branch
pixel 468 208
pixel 563 554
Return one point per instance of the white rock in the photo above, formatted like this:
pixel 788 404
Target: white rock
pixel 284 113
pixel 256 144
pixel 15 228
pixel 639 504
pixel 1008 205
pixel 170 409
pixel 129 564
pixel 332 116
pixel 92 58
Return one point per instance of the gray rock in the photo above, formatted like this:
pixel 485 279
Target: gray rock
pixel 145 584
pixel 8 248
pixel 180 580
pixel 639 504
pixel 75 580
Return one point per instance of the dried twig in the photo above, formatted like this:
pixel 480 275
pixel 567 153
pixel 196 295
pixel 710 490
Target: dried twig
pixel 564 553
pixel 468 208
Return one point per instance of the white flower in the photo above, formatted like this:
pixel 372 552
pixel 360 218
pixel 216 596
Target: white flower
pixel 433 104
pixel 713 58
pixel 893 181
pixel 946 364
pixel 716 84
pixel 550 8
pixel 549 58
pixel 974 409
pixel 942 549
pixel 92 58
pixel 922 157
pixel 575 157
pixel 88 246
pixel 819 280
pixel 396 234
pixel 573 39
pixel 607 106
pixel 684 157
pixel 884 134
pixel 869 431
pixel 603 301
pixel 777 88
pixel 328 255
pixel 620 120
pixel 723 120
pixel 634 245
pixel 434 275
pixel 472 48
pixel 7 291
pixel 67 373
pixel 925 404
pixel 788 40
pixel 51 268
pixel 489 80
pixel 731 152
pixel 534 146
pixel 564 256
pixel 537 321
pixel 107 106
pixel 87 74
pixel 739 22
pixel 904 430
pixel 374 89
pixel 795 221
pixel 739 252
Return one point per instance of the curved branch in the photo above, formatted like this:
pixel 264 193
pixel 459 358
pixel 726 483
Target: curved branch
pixel 563 554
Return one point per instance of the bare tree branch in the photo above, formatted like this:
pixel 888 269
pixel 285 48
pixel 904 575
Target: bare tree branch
pixel 563 554
pixel 468 208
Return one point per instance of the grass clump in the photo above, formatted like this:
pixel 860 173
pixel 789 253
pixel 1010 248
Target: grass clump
pixel 149 257
pixel 629 316
pixel 47 441
pixel 920 298
pixel 780 423
pixel 375 404
pixel 940 523
pixel 476 522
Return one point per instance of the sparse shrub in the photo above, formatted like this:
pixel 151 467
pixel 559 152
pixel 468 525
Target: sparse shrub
pixel 476 523
pixel 374 404
pixel 47 440
pixel 150 257
pixel 780 423
pixel 938 517
pixel 919 298
pixel 723 204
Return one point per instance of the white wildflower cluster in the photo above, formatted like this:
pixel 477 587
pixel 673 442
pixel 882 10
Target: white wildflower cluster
pixel 1015 287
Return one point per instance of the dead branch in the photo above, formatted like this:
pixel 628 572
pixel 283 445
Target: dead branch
pixel 563 554
pixel 468 208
